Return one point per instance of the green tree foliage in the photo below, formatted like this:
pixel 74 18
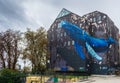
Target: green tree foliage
pixel 9 48
pixel 11 76
pixel 36 49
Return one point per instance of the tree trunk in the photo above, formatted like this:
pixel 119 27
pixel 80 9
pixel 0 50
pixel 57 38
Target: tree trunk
pixel 9 63
pixel 14 64
pixel 3 61
pixel 15 56
pixel 9 57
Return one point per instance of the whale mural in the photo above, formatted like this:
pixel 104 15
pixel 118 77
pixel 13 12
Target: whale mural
pixel 84 40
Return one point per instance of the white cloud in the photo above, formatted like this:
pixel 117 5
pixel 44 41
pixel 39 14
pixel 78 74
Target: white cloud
pixel 39 13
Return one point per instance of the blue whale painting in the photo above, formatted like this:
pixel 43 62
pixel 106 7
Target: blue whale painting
pixel 83 39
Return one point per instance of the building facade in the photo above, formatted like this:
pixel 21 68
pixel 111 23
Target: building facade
pixel 119 50
pixel 61 47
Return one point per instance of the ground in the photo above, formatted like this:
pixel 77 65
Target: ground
pixel 101 79
pixel 90 79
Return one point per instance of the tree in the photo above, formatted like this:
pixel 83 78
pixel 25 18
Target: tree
pixel 2 51
pixel 36 48
pixel 9 48
pixel 26 69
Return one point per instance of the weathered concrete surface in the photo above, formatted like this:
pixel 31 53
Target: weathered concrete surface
pixel 101 79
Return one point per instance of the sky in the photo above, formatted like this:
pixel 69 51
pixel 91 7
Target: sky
pixel 22 14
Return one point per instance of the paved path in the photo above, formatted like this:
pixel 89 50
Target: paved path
pixel 101 79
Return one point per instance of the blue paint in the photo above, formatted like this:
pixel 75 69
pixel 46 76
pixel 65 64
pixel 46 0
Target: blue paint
pixel 79 50
pixel 83 39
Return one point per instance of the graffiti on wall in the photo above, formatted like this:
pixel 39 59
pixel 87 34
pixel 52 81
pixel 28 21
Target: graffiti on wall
pixel 83 40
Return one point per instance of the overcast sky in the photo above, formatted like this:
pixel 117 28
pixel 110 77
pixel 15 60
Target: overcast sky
pixel 22 14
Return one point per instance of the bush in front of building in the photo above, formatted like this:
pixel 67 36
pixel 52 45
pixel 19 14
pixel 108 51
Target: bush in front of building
pixel 11 76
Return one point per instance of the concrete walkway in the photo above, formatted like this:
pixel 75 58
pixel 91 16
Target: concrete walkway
pixel 101 79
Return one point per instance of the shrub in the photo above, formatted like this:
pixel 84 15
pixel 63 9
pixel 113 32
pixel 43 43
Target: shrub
pixel 11 76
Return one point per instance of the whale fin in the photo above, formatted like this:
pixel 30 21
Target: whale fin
pixel 79 50
pixel 92 52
